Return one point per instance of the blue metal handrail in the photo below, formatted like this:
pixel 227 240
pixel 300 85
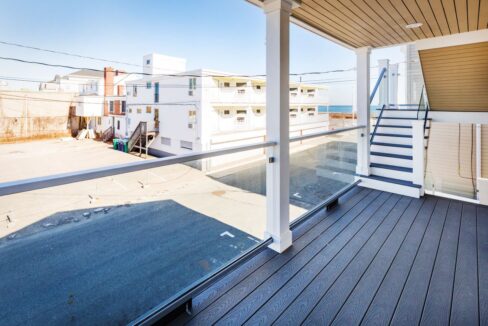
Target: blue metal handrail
pixel 377 122
pixel 377 85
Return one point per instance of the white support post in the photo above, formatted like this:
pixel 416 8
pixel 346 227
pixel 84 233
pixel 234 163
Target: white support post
pixel 383 91
pixel 418 154
pixel 478 159
pixel 393 84
pixel 363 109
pixel 277 122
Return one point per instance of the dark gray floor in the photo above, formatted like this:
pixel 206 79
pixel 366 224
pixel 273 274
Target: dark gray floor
pixel 376 259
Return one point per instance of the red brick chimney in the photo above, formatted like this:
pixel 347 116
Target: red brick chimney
pixel 108 77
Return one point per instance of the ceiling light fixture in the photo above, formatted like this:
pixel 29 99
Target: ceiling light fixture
pixel 414 25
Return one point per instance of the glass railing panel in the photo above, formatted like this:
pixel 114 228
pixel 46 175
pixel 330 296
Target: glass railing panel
pixel 107 250
pixel 319 168
pixel 451 159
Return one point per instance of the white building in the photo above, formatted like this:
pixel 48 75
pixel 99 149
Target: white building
pixel 205 109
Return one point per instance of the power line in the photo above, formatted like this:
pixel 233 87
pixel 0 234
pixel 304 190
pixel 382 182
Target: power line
pixel 68 53
pixel 170 75
pixel 175 86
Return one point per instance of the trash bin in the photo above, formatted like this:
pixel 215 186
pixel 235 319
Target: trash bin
pixel 115 143
pixel 126 146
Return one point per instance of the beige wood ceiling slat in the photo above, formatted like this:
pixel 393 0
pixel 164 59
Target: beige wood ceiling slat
pixel 326 26
pixel 424 30
pixel 380 23
pixel 440 16
pixel 450 11
pixel 347 6
pixel 397 18
pixel 419 17
pixel 355 25
pixel 429 16
pixel 385 19
pixel 473 10
pixel 454 80
pixel 483 13
pixel 462 15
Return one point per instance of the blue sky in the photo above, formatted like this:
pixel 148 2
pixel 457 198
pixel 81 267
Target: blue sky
pixel 227 35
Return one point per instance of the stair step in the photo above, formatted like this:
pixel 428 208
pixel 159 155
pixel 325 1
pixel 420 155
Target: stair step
pixel 398 109
pixel 391 145
pixel 392 126
pixel 399 118
pixel 403 157
pixel 391 135
pixel 391 167
pixel 392 180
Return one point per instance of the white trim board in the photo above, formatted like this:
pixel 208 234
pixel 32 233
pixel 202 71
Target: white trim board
pixel 453 40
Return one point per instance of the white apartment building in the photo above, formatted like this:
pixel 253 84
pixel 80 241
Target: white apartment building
pixel 205 109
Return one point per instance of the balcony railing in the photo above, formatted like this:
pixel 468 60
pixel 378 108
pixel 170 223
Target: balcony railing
pixel 170 224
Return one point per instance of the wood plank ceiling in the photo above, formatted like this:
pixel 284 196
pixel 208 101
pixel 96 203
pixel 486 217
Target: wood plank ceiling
pixel 379 23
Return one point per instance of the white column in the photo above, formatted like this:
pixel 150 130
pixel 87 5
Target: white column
pixel 277 122
pixel 363 112
pixel 383 89
pixel 418 150
pixel 393 84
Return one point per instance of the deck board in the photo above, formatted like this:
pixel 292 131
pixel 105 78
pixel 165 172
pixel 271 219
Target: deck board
pixel 437 307
pixel 377 258
pixel 464 309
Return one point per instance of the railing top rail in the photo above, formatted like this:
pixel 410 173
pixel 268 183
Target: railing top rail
pixel 325 133
pixel 18 186
pixel 377 85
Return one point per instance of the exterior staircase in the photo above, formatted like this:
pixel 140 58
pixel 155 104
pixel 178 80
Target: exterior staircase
pixel 141 139
pixel 108 134
pixel 391 167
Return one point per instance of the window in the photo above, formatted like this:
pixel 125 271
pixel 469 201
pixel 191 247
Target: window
pixel 226 112
pixel 293 116
pixel 148 85
pixel 123 107
pixel 193 83
pixel 241 91
pixel 166 141
pixel 139 110
pixel 134 90
pixel 118 124
pixel 148 109
pixel 241 111
pixel 130 110
pixel 294 110
pixel 111 103
pixel 258 111
pixel 186 144
pixel 241 84
pixel 190 126
pixel 226 84
pixel 99 120
pixel 258 86
pixel 192 113
pixel 241 120
pixel 148 62
pixel 311 109
pixel 311 114
pixel 156 92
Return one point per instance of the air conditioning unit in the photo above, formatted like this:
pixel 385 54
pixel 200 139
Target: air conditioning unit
pixel 483 190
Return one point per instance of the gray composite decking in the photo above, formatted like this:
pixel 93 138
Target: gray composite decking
pixel 376 259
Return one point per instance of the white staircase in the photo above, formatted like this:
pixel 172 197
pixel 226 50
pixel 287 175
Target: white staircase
pixel 391 151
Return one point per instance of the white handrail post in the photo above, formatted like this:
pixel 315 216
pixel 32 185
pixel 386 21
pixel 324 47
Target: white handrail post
pixel 383 91
pixel 363 109
pixel 418 153
pixel 478 159
pixel 277 122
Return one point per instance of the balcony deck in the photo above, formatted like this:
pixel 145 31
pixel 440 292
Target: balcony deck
pixel 377 258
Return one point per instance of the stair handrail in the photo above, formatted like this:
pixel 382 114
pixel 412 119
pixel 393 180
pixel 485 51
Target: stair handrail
pixel 377 122
pixel 108 133
pixel 377 85
pixel 141 129
pixel 421 102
